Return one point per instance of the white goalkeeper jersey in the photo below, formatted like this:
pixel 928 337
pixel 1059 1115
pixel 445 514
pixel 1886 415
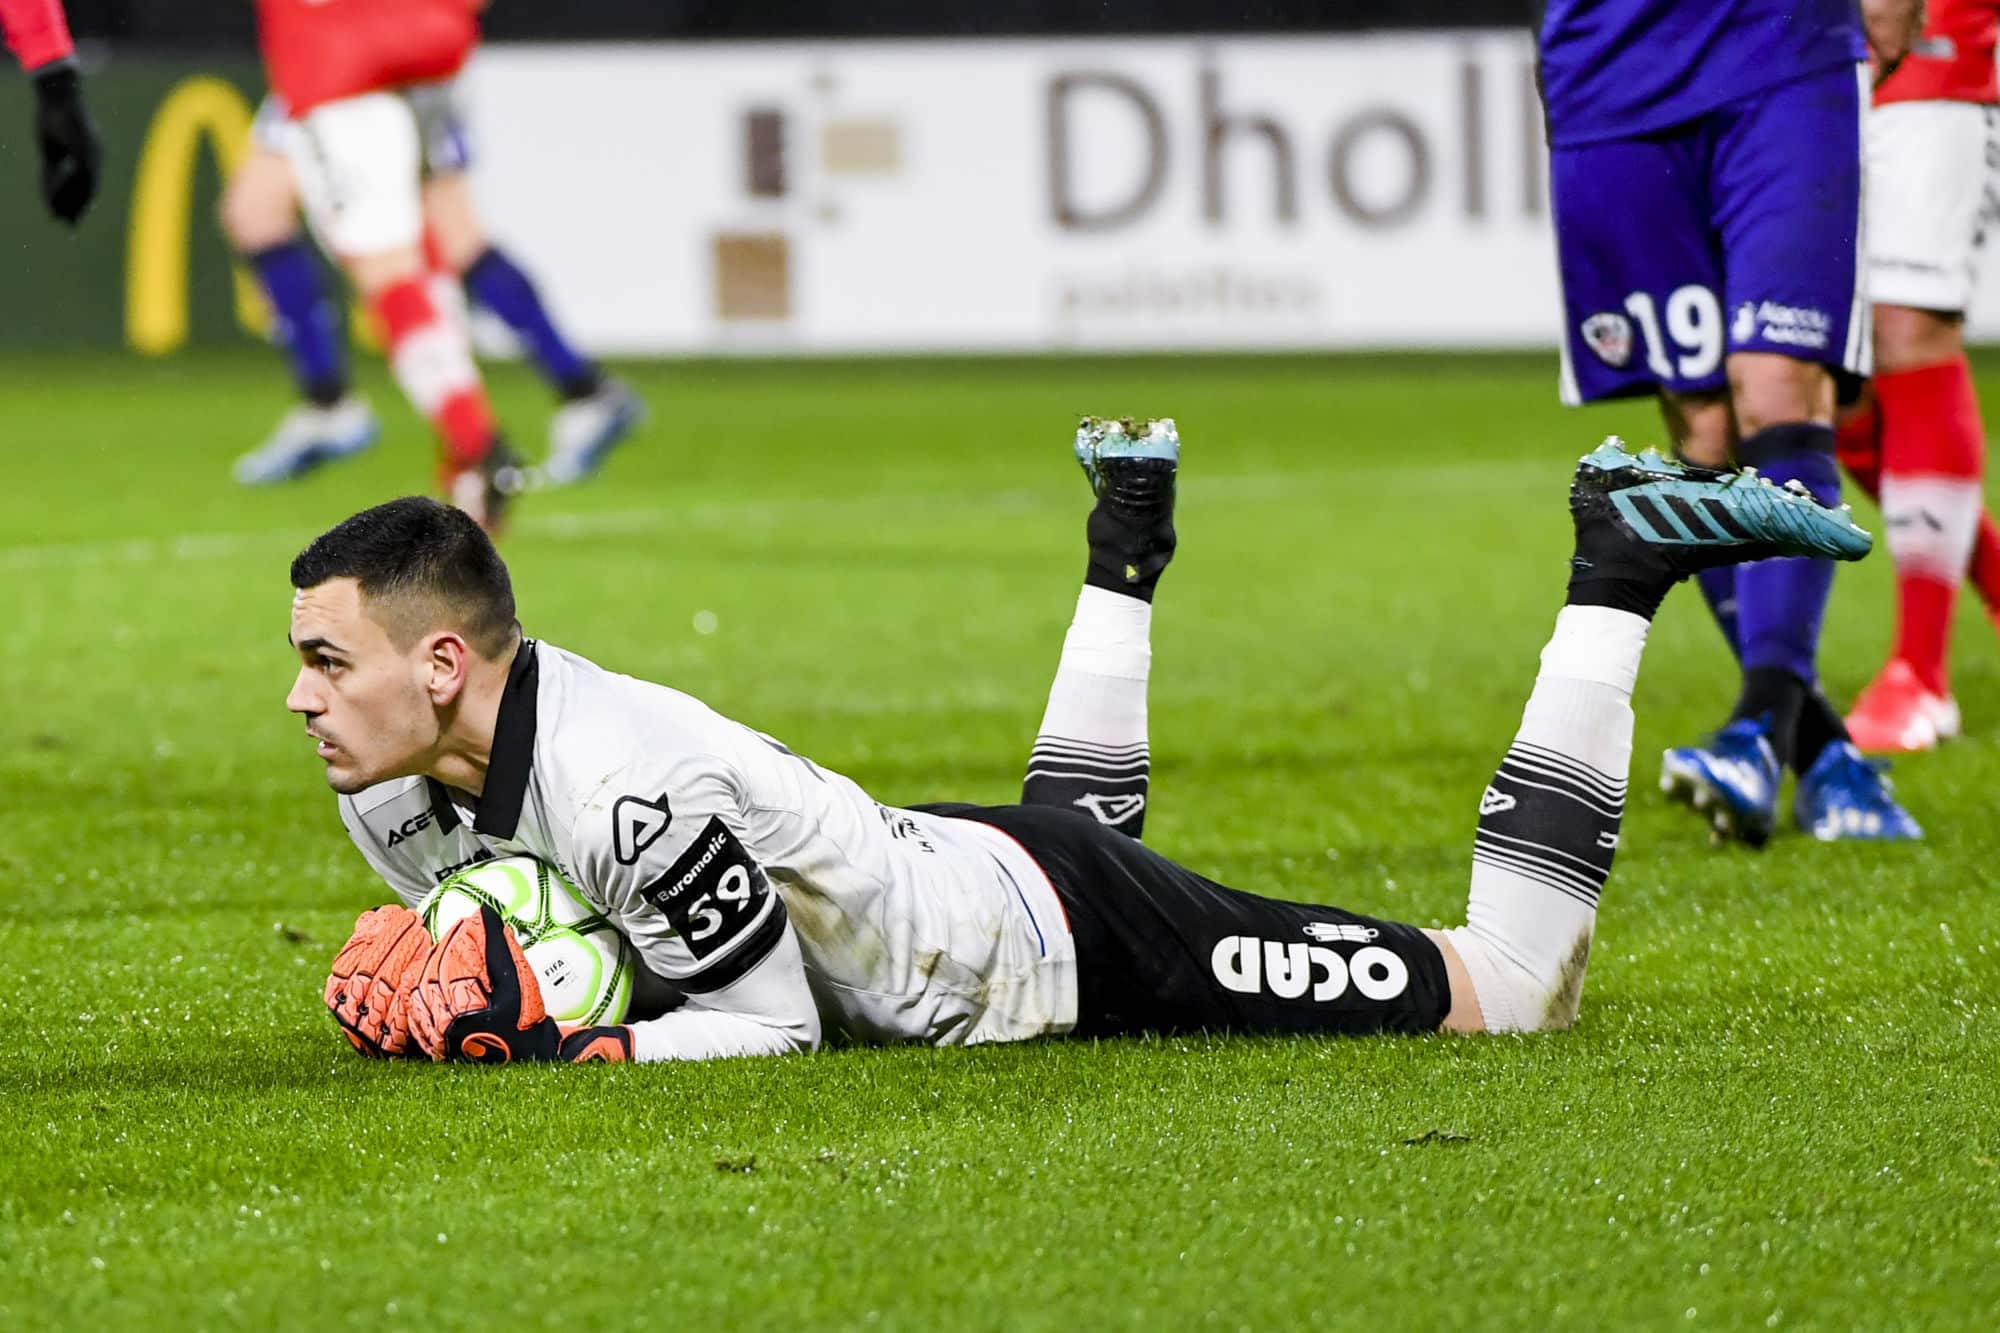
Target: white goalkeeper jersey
pixel 885 924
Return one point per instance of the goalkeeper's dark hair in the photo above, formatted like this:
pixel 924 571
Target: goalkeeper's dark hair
pixel 422 566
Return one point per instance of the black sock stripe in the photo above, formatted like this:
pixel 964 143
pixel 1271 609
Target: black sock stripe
pixel 1500 859
pixel 1585 772
pixel 1094 765
pixel 1649 511
pixel 1718 514
pixel 1601 809
pixel 1080 775
pixel 1102 760
pixel 1529 855
pixel 1529 847
pixel 1561 765
pixel 1698 527
pixel 1480 855
pixel 1531 767
pixel 1565 757
pixel 1087 749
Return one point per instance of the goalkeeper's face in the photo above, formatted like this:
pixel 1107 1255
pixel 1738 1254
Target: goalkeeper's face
pixel 369 705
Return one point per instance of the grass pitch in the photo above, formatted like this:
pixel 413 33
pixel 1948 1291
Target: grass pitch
pixel 1779 1110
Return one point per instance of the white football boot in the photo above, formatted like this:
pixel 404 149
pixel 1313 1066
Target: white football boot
pixel 308 436
pixel 585 430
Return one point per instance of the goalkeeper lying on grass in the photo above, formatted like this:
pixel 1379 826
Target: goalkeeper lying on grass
pixel 784 903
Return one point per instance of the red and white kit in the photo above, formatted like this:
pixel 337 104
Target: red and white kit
pixel 37 33
pixel 1933 144
pixel 343 68
pixel 1934 160
pixel 354 75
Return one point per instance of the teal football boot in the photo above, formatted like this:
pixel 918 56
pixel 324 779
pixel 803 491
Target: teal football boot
pixel 1101 441
pixel 1132 465
pixel 1651 515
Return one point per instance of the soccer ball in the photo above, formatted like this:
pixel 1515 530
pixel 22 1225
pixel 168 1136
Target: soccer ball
pixel 584 964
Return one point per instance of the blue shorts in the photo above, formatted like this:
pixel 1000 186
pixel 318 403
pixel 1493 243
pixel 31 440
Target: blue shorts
pixel 1738 231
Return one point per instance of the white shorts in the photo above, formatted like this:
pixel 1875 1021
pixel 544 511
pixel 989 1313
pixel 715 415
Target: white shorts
pixel 360 173
pixel 1933 189
pixel 361 163
pixel 441 120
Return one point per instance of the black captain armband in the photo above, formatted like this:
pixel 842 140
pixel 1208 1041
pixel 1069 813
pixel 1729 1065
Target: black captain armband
pixel 720 903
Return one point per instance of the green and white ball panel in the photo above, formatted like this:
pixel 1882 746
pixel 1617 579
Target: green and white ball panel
pixel 586 976
pixel 512 887
pixel 582 961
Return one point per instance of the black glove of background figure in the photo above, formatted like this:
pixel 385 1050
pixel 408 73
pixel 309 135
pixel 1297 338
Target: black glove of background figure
pixel 70 148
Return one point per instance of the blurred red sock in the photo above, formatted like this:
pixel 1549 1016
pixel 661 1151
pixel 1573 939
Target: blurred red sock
pixel 432 360
pixel 1932 454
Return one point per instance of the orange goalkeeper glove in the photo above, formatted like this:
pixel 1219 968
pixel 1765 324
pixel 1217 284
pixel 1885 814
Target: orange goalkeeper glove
pixel 373 975
pixel 596 1045
pixel 479 1000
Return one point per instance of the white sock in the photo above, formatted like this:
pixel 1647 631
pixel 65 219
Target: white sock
pixel 1548 825
pixel 1931 524
pixel 1091 752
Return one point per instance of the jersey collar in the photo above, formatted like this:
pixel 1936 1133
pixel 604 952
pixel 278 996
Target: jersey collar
pixel 513 748
pixel 513 757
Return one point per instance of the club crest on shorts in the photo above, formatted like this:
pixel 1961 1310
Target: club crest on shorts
pixel 1744 327
pixel 1610 336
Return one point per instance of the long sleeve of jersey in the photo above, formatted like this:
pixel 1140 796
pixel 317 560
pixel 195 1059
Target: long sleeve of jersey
pixel 673 872
pixel 37 31
pixel 769 1011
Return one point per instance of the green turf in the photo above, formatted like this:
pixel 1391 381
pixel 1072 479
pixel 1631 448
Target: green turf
pixel 1779 1109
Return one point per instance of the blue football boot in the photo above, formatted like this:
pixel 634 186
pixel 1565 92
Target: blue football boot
pixel 1132 466
pixel 1732 781
pixel 1845 796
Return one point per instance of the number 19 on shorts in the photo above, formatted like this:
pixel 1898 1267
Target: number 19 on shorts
pixel 1693 342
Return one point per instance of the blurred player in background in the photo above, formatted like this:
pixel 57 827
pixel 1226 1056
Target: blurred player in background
pixel 346 70
pixel 37 33
pixel 1916 443
pixel 260 217
pixel 1706 176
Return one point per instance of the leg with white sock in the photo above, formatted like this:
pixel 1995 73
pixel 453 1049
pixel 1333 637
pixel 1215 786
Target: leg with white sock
pixel 358 166
pixel 1548 825
pixel 1549 820
pixel 1091 753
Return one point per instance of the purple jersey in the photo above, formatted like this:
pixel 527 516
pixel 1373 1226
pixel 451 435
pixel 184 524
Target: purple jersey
pixel 1613 69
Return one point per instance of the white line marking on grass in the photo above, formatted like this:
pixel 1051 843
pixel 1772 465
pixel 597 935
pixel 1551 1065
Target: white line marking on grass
pixel 592 525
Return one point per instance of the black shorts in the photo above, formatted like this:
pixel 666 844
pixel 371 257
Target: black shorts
pixel 1161 949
